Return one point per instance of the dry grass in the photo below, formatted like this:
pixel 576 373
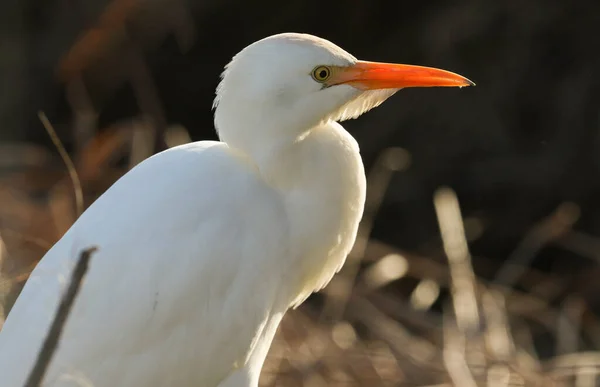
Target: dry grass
pixel 482 336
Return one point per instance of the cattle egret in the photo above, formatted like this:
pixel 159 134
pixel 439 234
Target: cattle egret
pixel 202 248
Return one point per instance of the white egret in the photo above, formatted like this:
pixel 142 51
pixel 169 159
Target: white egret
pixel 202 248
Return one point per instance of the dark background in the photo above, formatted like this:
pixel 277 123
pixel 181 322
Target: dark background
pixel 515 148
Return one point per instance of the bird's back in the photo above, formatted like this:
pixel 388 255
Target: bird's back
pixel 165 301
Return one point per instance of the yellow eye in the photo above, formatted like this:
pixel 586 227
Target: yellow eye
pixel 321 73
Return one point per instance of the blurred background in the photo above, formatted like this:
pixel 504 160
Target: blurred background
pixel 510 168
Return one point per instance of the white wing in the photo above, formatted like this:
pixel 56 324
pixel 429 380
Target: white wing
pixel 181 239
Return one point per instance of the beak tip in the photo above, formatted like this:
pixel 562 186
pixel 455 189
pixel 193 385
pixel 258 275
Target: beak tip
pixel 469 82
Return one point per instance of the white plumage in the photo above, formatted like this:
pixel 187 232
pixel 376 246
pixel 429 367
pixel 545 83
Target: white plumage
pixel 202 248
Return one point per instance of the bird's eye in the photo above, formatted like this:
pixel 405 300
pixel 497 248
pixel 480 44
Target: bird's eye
pixel 321 73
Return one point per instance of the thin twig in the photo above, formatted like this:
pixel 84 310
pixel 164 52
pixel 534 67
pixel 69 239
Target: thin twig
pixel 52 338
pixel 67 160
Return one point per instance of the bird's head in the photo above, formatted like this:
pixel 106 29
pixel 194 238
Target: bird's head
pixel 286 84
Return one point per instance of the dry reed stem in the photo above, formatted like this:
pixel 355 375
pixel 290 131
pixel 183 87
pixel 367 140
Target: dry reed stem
pixel 68 162
pixel 62 314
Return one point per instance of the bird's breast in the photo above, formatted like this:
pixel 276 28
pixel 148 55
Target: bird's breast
pixel 324 208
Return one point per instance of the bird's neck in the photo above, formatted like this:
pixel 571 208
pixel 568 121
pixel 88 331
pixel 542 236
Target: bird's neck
pixel 282 163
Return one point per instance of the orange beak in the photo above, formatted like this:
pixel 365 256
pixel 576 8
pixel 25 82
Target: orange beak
pixel 372 75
